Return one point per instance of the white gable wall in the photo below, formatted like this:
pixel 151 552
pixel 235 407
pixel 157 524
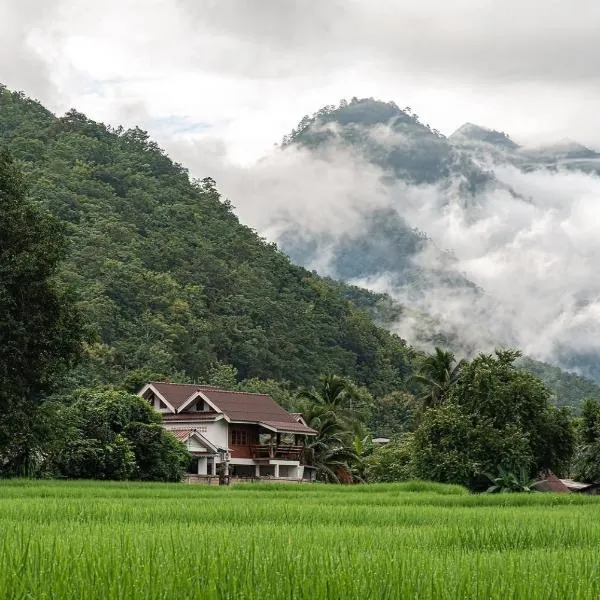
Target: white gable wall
pixel 216 433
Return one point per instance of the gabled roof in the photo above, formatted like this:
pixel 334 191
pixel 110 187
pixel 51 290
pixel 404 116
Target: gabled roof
pixel 287 427
pixel 237 407
pixel 183 435
pixel 551 484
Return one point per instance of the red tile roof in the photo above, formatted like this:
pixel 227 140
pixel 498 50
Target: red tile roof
pixel 287 427
pixel 551 484
pixel 182 434
pixel 175 393
pixel 237 406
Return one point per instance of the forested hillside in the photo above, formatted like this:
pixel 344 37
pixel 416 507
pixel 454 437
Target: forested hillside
pixel 169 280
pixel 173 285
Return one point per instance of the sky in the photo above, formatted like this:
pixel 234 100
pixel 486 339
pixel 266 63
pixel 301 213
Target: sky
pixel 239 74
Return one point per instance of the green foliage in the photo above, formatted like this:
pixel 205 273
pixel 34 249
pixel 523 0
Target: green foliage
pixel 391 461
pixel 393 414
pixel 331 451
pixel 106 540
pixel 172 283
pixel 507 482
pixel 437 373
pixel 223 375
pixel 493 388
pixel 40 331
pixel 495 417
pixel 343 398
pixel 568 389
pixel 115 435
pixel 587 456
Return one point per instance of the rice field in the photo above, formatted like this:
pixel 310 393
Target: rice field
pixel 90 540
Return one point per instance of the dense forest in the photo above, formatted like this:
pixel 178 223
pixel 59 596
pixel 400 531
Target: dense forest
pixel 172 284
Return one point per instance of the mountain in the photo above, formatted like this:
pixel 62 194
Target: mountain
pixel 171 282
pixel 406 151
pixel 471 134
pixel 393 139
pixel 474 181
pixel 485 144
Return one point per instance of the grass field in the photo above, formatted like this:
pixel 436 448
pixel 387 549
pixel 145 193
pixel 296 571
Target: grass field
pixel 111 540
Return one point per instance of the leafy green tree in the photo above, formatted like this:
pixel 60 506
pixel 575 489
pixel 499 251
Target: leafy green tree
pixel 341 397
pixel 331 451
pixel 115 435
pixel 393 414
pixel 453 446
pixel 492 387
pixel 40 331
pixel 391 461
pixel 496 416
pixel 437 373
pixel 587 457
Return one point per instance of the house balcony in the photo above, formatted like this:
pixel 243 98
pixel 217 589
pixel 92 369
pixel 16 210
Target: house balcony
pixel 274 452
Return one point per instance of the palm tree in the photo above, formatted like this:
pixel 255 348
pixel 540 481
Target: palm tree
pixel 339 396
pixel 330 451
pixel 438 373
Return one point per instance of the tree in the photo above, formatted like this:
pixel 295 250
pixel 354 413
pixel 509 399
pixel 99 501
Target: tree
pixel 587 457
pixel 454 446
pixel 496 416
pixel 391 462
pixel 115 435
pixel 331 451
pixel 393 414
pixel 40 330
pixel 492 387
pixel 341 397
pixel 437 373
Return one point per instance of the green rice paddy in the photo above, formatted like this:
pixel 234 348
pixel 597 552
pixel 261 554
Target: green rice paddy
pixel 89 540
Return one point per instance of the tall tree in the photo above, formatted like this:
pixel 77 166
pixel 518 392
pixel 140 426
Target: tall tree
pixel 331 451
pixel 496 415
pixel 587 459
pixel 40 330
pixel 438 373
pixel 341 397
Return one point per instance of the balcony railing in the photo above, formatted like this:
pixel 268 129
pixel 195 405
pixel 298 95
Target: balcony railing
pixel 282 452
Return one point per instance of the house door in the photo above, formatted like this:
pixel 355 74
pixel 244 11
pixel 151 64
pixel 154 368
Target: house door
pixel 193 466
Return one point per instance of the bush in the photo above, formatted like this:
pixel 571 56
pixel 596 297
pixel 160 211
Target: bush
pixel 115 435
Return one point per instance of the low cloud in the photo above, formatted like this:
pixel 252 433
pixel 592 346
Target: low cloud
pixel 533 256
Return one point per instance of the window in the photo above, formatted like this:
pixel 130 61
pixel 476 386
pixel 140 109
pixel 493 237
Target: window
pixel 239 437
pixel 200 405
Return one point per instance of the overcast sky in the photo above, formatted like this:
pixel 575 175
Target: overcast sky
pixel 239 74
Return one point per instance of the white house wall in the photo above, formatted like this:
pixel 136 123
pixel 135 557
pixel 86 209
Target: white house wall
pixel 216 433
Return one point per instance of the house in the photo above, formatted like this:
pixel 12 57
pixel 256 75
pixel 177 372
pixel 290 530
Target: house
pixel 250 433
pixel 380 441
pixel 553 484
pixel 582 488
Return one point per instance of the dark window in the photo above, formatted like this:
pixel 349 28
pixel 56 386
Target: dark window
pixel 200 406
pixel 239 437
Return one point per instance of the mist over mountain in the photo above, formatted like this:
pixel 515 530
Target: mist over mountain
pixel 172 283
pixel 495 242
